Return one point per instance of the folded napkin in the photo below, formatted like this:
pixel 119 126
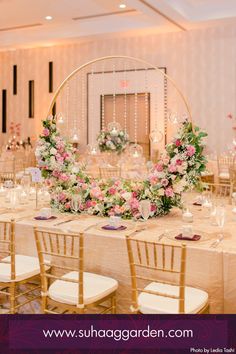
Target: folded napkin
pixel 44 218
pixel 109 227
pixel 186 238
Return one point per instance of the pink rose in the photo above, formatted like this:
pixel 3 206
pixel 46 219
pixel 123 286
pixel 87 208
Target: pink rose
pixel 112 191
pixel 178 142
pixel 159 167
pixel 179 162
pixel 46 132
pixel 134 203
pixel 190 150
pixel 153 208
pixel 153 180
pixel 164 182
pixel 63 177
pixel 67 205
pixel 169 192
pixel 62 197
pixel 172 168
pixel 96 193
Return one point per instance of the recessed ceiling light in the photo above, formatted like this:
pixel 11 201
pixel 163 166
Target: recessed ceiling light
pixel 122 6
pixel 48 18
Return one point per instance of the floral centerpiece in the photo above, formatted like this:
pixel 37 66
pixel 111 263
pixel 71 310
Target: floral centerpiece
pixel 112 140
pixel 178 170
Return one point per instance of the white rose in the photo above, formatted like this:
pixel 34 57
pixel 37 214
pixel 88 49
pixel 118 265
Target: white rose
pixel 161 192
pixel 53 151
pixel 127 196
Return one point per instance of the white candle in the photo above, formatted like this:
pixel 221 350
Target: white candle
pixel 187 216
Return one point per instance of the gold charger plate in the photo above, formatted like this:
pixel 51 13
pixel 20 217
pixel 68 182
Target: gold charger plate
pixel 171 234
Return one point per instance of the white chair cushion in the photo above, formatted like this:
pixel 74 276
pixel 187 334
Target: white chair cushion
pixel 96 287
pixel 25 266
pixel 224 175
pixel 195 300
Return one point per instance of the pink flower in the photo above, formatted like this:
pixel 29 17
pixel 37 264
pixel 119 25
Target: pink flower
pixel 153 180
pixel 179 162
pixel 169 192
pixel 96 193
pixel 91 203
pixel 118 209
pixel 172 168
pixel 164 182
pixel 112 191
pixel 134 203
pixel 153 208
pixel 46 132
pixel 190 150
pixel 230 116
pixel 62 197
pixel 56 173
pixel 159 167
pixel 63 177
pixel 178 142
pixel 67 205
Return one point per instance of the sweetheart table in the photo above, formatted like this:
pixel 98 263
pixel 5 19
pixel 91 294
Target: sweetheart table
pixel 212 269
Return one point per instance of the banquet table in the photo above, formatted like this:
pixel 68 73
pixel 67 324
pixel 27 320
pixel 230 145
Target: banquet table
pixel 211 269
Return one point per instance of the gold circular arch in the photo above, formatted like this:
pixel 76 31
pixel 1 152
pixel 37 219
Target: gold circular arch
pixel 73 73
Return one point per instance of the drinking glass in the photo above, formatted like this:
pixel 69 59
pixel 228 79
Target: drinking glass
pixel 220 218
pixel 75 204
pixel 25 183
pixel 145 209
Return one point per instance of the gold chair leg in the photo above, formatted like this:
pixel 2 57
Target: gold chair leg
pixel 113 305
pixel 12 298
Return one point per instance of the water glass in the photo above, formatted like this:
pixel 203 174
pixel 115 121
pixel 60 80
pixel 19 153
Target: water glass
pixel 220 217
pixel 145 209
pixel 75 204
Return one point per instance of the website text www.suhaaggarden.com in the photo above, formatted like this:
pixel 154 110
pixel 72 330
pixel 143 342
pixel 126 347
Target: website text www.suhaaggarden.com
pixel 117 334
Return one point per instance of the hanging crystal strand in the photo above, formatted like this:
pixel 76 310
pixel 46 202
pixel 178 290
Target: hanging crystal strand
pixel 114 94
pixel 92 100
pixel 156 108
pixel 135 109
pixel 103 96
pixel 67 106
pixel 83 104
pixel 125 97
pixel 75 133
pixel 146 103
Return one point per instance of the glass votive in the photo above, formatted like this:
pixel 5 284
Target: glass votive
pixel 187 216
pixel 206 208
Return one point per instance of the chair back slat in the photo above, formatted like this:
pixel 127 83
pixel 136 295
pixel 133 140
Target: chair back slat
pixel 109 172
pixel 7 245
pixel 162 263
pixel 65 253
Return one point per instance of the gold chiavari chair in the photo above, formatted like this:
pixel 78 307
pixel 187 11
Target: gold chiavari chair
pixel 218 190
pixel 158 280
pixel 232 175
pixel 224 163
pixel 7 170
pixel 110 172
pixel 67 288
pixel 16 270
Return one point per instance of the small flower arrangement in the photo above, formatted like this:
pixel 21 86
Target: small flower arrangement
pixel 112 140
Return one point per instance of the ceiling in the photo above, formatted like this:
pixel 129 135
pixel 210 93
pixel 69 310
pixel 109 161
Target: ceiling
pixel 23 23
